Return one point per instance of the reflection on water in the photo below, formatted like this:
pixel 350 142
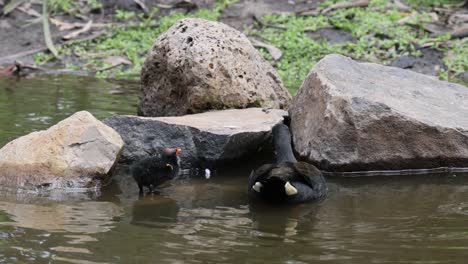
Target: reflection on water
pixel 83 218
pixel 363 220
pixel 38 102
pixel 405 219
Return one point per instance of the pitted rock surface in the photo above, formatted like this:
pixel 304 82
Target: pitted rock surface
pixel 351 116
pixel 200 65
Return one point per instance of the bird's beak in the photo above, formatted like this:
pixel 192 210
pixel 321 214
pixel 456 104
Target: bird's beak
pixel 170 166
pixel 290 190
pixel 257 186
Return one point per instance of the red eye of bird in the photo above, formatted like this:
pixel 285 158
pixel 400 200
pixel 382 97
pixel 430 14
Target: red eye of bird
pixel 178 150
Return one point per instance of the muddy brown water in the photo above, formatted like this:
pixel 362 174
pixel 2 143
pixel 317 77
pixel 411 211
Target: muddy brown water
pixel 410 219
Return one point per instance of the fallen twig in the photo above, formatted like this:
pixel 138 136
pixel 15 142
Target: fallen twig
pixel 459 32
pixel 63 25
pixel 345 5
pixel 186 4
pixel 431 44
pixel 20 66
pixel 406 19
pixel 275 53
pixel 457 18
pixel 12 5
pixel 142 5
pixel 109 67
pixel 22 54
pixel 28 10
pixel 402 7
pixel 262 24
pixel 74 34
pixel 90 37
pixel 308 12
pixel 435 28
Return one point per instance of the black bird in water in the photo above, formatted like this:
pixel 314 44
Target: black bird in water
pixel 157 169
pixel 287 180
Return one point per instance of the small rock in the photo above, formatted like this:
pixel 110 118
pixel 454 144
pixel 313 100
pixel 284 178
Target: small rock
pixel 430 62
pixel 211 137
pixel 404 62
pixel 350 116
pixel 199 65
pixel 76 152
pixel 463 76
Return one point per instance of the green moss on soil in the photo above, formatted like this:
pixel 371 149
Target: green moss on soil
pixel 131 42
pixel 379 37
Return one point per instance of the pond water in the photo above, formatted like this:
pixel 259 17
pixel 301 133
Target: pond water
pixel 410 219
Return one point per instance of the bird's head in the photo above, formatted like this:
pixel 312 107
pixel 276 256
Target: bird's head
pixel 172 151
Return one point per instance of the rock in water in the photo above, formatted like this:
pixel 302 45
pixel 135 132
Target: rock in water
pixel 199 65
pixel 76 152
pixel 211 137
pixel 350 116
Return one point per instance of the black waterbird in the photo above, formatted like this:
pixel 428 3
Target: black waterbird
pixel 155 170
pixel 287 180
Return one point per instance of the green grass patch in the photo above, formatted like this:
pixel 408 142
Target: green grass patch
pixel 73 7
pixel 377 30
pixel 131 42
pixel 456 59
pixel 379 37
pixel 428 3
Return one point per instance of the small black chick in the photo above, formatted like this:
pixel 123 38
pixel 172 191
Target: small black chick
pixel 155 170
pixel 287 180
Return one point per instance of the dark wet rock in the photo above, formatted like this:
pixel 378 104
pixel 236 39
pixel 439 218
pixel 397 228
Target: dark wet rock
pixel 404 62
pixel 430 62
pixel 332 35
pixel 76 152
pixel 463 76
pixel 211 137
pixel 351 116
pixel 199 65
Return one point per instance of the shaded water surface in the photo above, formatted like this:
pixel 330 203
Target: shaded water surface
pixel 421 219
pixel 38 102
pixel 408 219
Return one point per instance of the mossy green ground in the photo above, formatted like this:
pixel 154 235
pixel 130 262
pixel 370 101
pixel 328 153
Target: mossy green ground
pixel 379 38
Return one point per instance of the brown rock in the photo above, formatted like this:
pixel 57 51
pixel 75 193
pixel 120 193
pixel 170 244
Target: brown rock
pixel 350 116
pixel 198 65
pixel 75 152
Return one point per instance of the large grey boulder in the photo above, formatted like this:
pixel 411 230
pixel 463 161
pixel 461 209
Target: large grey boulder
pixel 77 152
pixel 214 137
pixel 351 116
pixel 199 65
